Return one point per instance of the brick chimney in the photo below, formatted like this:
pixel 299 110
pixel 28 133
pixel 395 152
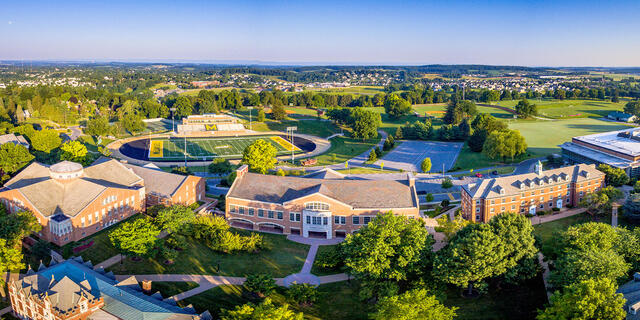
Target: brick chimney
pixel 241 171
pixel 146 286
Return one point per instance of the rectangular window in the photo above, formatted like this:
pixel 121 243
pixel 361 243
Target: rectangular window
pixel 542 206
pixel 292 216
pixel 82 221
pixel 97 216
pixel 502 209
pixel 308 219
pixel 493 202
pixel 279 215
pixel 367 220
pixel 339 220
pixel 492 210
pixel 356 220
pixel 513 199
pixel 504 200
pixel 233 209
pixel 251 211
pixel 513 207
pixel 270 214
pixel 477 210
pixel 240 210
pixel 325 221
pixel 260 212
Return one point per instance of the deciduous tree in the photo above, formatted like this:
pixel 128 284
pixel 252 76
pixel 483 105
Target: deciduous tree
pixel 266 310
pixel 260 156
pixel 416 304
pixel 13 157
pixel 46 140
pixel 137 237
pixel 586 300
pixel 426 165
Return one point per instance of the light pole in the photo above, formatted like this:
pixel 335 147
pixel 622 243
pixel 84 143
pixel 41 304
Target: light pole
pixel 291 130
pixel 173 119
pixel 250 108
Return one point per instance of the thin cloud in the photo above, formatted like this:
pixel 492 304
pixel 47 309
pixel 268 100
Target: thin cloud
pixel 9 22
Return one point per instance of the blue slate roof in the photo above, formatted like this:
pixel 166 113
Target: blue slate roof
pixel 122 302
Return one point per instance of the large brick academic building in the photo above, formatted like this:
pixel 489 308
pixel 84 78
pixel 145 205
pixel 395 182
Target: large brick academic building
pixel 72 202
pixel 530 193
pixel 322 205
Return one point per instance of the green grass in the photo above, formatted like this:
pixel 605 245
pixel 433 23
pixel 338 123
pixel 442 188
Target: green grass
pixel 368 90
pixel 336 301
pixel 501 170
pixel 317 128
pixel 570 109
pixel 170 289
pixel 547 231
pixel 227 147
pixel 543 137
pixel 345 148
pixel 284 258
pixel 91 143
pixel 468 159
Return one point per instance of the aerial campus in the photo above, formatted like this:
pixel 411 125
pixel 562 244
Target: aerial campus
pixel 268 160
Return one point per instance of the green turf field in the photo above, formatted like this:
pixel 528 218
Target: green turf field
pixel 227 147
pixel 571 109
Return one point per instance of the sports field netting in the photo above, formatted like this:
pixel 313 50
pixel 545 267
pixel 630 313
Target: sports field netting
pixel 199 148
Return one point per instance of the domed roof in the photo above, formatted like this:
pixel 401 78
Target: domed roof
pixel 65 167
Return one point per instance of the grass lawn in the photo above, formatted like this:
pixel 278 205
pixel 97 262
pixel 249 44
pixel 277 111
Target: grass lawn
pixel 368 90
pixel 507 302
pixel 336 301
pixel 345 148
pixel 571 109
pixel 547 231
pixel 468 159
pixel 313 127
pixel 171 288
pixel 543 137
pixel 92 144
pixel 284 258
pixel 501 170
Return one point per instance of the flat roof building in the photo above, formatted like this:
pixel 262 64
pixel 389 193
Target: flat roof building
pixel 12 138
pixel 323 205
pixel 620 149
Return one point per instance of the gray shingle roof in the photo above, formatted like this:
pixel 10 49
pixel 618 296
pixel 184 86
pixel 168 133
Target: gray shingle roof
pixel 52 197
pixel 490 188
pixel 158 181
pixel 362 194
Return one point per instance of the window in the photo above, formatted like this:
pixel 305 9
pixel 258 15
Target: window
pixel 82 221
pixel 492 210
pixel 260 212
pixel 294 216
pixel 90 219
pixel 270 214
pixel 233 209
pixel 367 220
pixel 316 206
pixel 339 220
pixel 97 216
pixel 477 217
pixel 513 207
pixel 251 211
pixel 316 220
pixel 522 202
pixel 502 209
pixel 493 202
pixel 356 220
pixel 477 210
pixel 279 215
pixel 325 221
pixel 550 204
pixel 504 200
pixel 308 219
pixel 521 210
pixel 241 210
pixel 513 199
pixel 542 206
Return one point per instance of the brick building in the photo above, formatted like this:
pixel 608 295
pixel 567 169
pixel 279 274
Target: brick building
pixel 72 202
pixel 325 205
pixel 73 290
pixel 530 193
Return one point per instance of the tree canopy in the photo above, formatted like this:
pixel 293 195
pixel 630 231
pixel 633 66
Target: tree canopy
pixel 614 176
pixel 137 237
pixel 525 109
pixel 266 310
pixel 388 247
pixel 504 144
pixel 74 151
pixel 365 123
pixel 416 304
pixel 426 165
pixel 46 140
pixel 457 110
pixel 260 156
pixel 13 157
pixel 10 258
pixel 586 300
pixel 396 107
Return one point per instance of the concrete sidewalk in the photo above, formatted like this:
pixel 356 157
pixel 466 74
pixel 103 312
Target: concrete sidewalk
pixel 5 311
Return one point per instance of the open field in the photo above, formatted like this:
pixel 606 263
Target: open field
pixel 284 258
pixel 227 147
pixel 370 90
pixel 345 148
pixel 543 137
pixel 570 109
pixel 317 128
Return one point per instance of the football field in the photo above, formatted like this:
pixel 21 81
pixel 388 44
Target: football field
pixel 208 148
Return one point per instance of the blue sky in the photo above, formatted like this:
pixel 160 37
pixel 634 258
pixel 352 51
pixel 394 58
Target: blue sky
pixel 533 33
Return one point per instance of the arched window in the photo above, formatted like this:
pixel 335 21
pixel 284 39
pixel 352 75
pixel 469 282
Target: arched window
pixel 316 206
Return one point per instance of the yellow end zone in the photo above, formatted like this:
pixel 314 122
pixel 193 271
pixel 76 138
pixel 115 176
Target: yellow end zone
pixel 284 143
pixel 156 149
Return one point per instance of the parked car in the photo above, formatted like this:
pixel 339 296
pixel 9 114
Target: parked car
pixel 494 172
pixel 479 175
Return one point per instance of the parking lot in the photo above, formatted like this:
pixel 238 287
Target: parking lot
pixel 408 155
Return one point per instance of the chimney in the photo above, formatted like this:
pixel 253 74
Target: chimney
pixel 146 286
pixel 241 171
pixel 412 179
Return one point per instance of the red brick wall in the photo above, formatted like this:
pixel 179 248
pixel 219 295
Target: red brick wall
pixel 191 190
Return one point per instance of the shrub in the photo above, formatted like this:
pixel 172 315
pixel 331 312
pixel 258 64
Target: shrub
pixel 303 293
pixel 444 203
pixel 331 259
pixel 429 197
pixel 261 284
pixel 556 209
pixel 280 172
pixel 168 254
pixel 529 215
pixel 447 183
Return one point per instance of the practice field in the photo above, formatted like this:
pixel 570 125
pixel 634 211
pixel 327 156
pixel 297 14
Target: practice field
pixel 543 137
pixel 408 155
pixel 571 109
pixel 198 148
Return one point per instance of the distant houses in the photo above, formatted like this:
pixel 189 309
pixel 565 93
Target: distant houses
pixel 622 116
